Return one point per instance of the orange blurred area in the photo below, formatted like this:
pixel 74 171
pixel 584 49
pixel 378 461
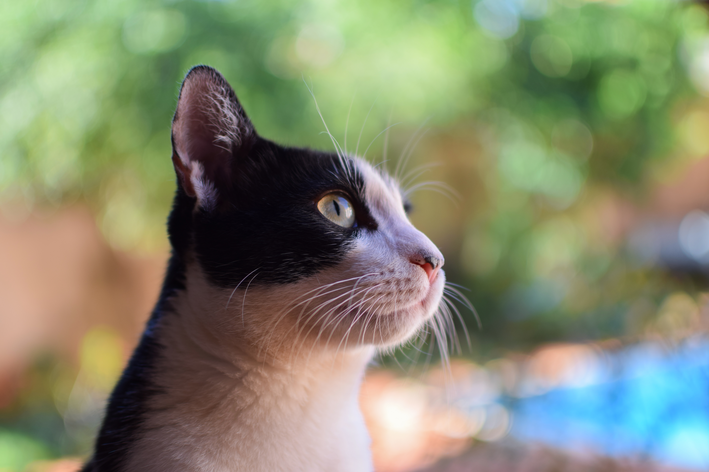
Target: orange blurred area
pixel 62 465
pixel 60 280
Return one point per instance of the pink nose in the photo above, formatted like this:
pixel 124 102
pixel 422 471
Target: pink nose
pixel 430 264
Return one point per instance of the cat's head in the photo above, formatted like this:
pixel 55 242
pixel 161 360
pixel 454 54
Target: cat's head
pixel 293 245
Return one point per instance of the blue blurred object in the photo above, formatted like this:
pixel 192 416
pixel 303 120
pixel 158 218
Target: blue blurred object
pixel 653 405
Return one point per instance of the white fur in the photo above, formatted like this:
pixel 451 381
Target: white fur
pixel 204 190
pixel 226 410
pixel 264 378
pixel 226 120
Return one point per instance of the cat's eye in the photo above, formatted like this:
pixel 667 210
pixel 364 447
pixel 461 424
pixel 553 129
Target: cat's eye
pixel 337 209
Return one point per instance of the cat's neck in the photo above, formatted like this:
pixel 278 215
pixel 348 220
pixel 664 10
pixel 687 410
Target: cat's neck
pixel 219 392
pixel 203 336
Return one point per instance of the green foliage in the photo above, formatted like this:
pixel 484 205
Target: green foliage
pixel 548 102
pixel 16 451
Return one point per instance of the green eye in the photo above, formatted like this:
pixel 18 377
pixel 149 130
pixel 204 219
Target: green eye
pixel 337 209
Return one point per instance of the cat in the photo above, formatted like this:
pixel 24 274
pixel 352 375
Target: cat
pixel 289 268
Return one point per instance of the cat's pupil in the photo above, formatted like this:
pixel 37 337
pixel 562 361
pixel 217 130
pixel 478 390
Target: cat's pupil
pixel 337 207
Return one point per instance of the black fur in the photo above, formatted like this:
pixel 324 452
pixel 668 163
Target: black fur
pixel 265 225
pixel 273 232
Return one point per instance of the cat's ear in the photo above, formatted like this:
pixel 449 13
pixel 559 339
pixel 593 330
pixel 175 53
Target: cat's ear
pixel 209 130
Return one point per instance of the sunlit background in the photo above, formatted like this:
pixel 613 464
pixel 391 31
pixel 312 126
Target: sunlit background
pixel 571 140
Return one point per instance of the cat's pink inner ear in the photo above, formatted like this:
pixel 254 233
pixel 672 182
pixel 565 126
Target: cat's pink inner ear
pixel 183 175
pixel 209 129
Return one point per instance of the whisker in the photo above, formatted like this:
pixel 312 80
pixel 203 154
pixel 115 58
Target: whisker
pixel 338 319
pixel 363 124
pixel 355 322
pixel 371 315
pixel 452 291
pixel 454 309
pixel 347 121
pixel 447 321
pixel 417 345
pixel 411 149
pixel 408 149
pixel 386 140
pixel 318 292
pixel 439 331
pixel 317 309
pixel 237 286
pixel 433 342
pixel 343 315
pixel 438 187
pixel 458 286
pixel 364 156
pixel 399 164
pixel 380 164
pixel 243 300
pixel 409 177
pixel 338 148
pixel 315 312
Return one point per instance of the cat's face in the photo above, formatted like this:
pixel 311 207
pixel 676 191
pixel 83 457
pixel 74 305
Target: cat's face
pixel 305 246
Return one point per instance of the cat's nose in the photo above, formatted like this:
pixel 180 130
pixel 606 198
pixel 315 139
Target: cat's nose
pixel 428 262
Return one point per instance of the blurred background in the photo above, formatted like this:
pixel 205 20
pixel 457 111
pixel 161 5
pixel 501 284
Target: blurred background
pixel 571 138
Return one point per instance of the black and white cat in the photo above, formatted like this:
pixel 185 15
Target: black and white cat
pixel 289 268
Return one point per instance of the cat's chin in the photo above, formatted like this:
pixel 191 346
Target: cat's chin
pixel 399 326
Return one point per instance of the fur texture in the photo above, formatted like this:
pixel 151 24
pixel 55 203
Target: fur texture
pixel 270 312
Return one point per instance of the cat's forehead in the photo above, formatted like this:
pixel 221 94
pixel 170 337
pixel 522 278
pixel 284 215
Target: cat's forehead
pixel 381 191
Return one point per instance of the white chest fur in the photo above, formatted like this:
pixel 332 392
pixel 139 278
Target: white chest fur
pixel 219 412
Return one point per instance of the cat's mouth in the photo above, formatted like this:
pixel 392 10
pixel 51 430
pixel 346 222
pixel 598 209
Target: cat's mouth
pixel 401 321
pixel 433 295
pixel 426 304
